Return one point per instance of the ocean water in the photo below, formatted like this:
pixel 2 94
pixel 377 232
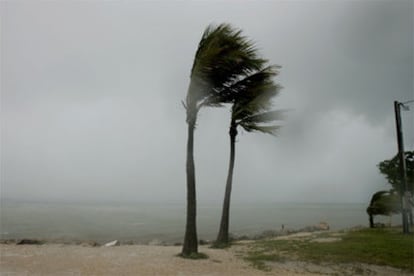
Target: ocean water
pixel 143 222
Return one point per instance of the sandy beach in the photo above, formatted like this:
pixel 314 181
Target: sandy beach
pixel 62 259
pixel 59 259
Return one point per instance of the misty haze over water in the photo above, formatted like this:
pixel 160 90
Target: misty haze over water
pixel 143 222
pixel 92 109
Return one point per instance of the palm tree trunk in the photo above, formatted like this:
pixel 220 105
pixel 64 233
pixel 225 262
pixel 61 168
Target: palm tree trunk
pixel 190 239
pixel 223 235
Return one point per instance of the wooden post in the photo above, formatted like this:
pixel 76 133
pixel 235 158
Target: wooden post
pixel 403 174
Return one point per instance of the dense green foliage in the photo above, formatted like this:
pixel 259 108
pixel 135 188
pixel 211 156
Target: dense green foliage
pixel 387 246
pixel 391 170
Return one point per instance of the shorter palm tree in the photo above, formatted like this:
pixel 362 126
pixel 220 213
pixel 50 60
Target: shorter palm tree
pixel 383 203
pixel 250 110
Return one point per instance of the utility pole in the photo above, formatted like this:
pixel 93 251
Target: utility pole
pixel 404 191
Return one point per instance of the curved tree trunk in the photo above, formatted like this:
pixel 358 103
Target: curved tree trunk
pixel 223 235
pixel 371 221
pixel 190 245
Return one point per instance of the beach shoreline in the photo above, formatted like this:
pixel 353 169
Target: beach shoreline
pixel 271 233
pixel 92 259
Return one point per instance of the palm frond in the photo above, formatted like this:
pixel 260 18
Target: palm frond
pixel 269 129
pixel 223 55
pixel 264 117
pixel 252 100
pixel 257 100
pixel 246 87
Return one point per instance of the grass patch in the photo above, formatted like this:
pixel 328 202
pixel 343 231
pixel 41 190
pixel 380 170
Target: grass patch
pixel 259 259
pixel 372 246
pixel 222 245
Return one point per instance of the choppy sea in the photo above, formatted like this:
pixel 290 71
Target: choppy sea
pixel 143 222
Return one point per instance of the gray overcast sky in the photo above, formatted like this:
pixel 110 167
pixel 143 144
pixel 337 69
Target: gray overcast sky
pixel 91 99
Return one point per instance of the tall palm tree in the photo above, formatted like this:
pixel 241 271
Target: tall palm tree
pixel 223 57
pixel 250 111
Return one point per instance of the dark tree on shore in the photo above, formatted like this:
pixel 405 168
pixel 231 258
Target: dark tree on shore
pixel 250 110
pixel 391 170
pixel 223 57
pixel 383 203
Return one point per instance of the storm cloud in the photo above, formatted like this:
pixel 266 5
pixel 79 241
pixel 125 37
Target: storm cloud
pixel 91 99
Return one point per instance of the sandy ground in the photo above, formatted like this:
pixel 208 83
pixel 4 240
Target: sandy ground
pixel 60 259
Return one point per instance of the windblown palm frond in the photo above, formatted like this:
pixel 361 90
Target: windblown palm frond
pixel 260 122
pixel 222 57
pixel 264 117
pixel 221 50
pixel 247 87
pixel 253 99
pixel 272 130
pixel 256 101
